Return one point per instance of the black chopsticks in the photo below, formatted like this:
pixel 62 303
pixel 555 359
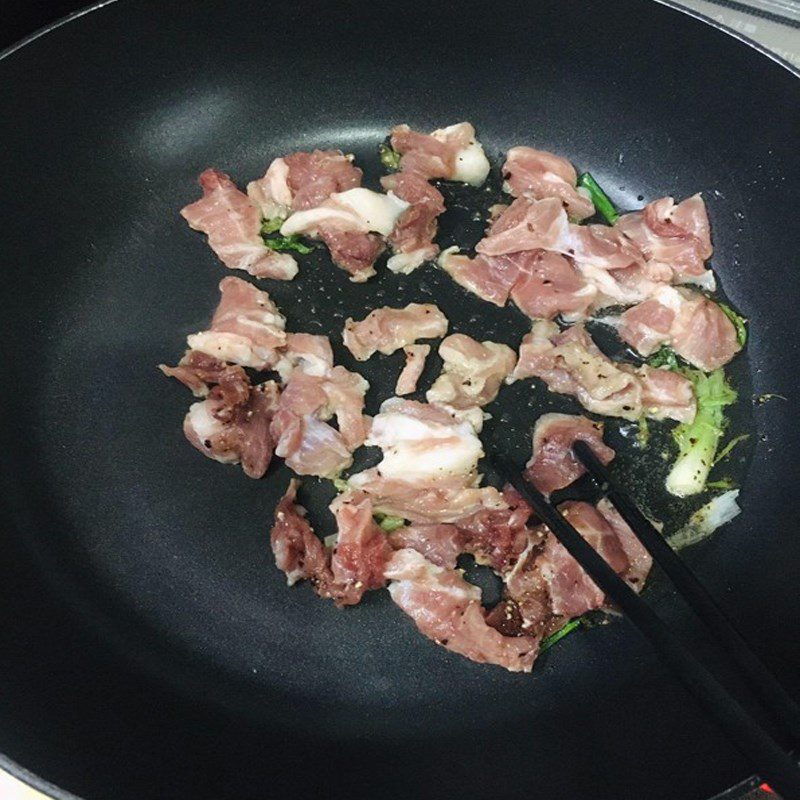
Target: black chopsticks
pixel 769 760
pixel 763 683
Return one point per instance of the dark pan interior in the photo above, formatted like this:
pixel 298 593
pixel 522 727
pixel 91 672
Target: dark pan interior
pixel 148 646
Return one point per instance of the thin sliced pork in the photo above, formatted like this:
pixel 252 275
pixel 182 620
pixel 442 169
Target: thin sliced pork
pixel 362 550
pixel 542 284
pixel 550 285
pixel 495 537
pixel 247 329
pixel 356 563
pixel 233 226
pixel 416 354
pixel 451 153
pixel 547 586
pixel 304 438
pixel 299 553
pixel 448 610
pixel 310 446
pixel 603 247
pixel 310 353
pixel 695 327
pixel 353 251
pixel 411 238
pixel 441 543
pixel 272 193
pixel 488 277
pixel 199 372
pixel 347 222
pixel 676 236
pixel 553 465
pixel 429 467
pixel 385 330
pixel 235 432
pixel 569 362
pixel 498 537
pixel 472 372
pixel 528 225
pixel 539 174
pixel 666 394
pixel 311 178
pixel 639 559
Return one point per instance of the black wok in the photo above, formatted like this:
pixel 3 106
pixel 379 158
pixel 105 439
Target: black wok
pixel 148 646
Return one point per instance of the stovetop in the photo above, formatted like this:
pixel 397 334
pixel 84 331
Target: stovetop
pixel 773 24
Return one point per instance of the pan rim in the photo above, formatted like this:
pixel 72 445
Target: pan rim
pixel 31 779
pixel 39 33
pixel 14 768
pixel 698 15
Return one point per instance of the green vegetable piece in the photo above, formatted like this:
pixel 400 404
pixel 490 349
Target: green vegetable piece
pixel 284 243
pixel 728 447
pixel 389 524
pixel 722 483
pixel 389 158
pixel 550 640
pixel 340 484
pixel 643 432
pixel 271 225
pixel 664 357
pixel 698 440
pixel 599 198
pixel 738 323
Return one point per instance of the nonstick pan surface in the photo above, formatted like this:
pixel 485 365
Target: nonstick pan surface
pixel 148 646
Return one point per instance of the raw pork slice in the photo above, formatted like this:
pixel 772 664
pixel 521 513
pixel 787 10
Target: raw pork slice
pixel 361 552
pixel 452 153
pixel 199 372
pixel 498 537
pixel 528 225
pixel 310 353
pixel 311 178
pixel 569 362
pixel 304 438
pixel 235 432
pixel 412 236
pixel 233 226
pixel 429 467
pixel 353 566
pixel 472 372
pixel 603 247
pixel 348 223
pixel 272 193
pixel 488 277
pixel 415 363
pixel 495 537
pixel 299 553
pixel 547 586
pixel 448 610
pixel 553 465
pixel 246 329
pixel 676 236
pixel 441 543
pixel 385 330
pixel 539 174
pixel 695 327
pixel 639 559
pixel 550 285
